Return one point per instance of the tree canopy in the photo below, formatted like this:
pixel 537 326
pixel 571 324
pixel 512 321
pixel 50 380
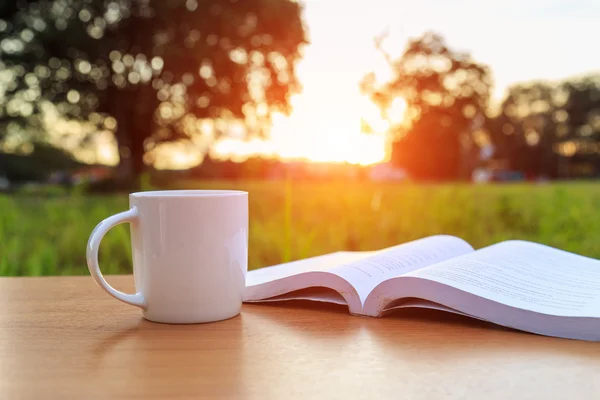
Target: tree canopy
pixel 149 71
pixel 540 124
pixel 446 94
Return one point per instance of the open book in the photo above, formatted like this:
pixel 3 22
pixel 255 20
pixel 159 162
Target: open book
pixel 517 284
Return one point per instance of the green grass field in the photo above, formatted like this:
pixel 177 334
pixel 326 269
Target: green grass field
pixel 47 235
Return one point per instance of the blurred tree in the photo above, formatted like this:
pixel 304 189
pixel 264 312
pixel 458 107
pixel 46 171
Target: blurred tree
pixel 37 164
pixel 149 71
pixel 540 125
pixel 523 133
pixel 446 95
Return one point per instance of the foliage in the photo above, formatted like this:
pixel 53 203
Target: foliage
pixel 36 165
pixel 447 95
pixel 298 220
pixel 540 124
pixel 151 71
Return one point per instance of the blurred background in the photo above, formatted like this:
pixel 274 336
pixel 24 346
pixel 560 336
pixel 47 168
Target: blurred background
pixel 354 125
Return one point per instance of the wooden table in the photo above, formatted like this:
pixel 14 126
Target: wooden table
pixel 62 337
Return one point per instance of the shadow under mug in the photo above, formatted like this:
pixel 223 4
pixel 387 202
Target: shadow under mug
pixel 190 254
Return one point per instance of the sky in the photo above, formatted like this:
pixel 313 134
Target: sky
pixel 520 40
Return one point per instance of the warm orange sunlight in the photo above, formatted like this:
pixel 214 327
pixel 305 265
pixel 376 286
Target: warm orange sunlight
pixel 331 133
pixel 329 114
pixel 325 124
pixel 326 121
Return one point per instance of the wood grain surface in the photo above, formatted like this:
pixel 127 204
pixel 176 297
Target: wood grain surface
pixel 63 338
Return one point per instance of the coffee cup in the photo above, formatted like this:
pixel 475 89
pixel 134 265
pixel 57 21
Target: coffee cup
pixel 190 254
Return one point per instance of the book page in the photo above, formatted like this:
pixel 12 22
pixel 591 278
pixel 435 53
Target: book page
pixel 367 273
pixel 525 275
pixel 312 264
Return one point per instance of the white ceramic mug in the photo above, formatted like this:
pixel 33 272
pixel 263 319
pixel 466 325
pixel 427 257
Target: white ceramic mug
pixel 190 254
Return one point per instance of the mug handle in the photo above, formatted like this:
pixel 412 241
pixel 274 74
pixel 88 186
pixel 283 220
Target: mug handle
pixel 93 246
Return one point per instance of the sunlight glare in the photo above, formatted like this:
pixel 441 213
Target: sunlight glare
pixel 397 111
pixel 176 155
pixel 106 148
pixel 322 142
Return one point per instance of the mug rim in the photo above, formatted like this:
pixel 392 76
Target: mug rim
pixel 188 193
